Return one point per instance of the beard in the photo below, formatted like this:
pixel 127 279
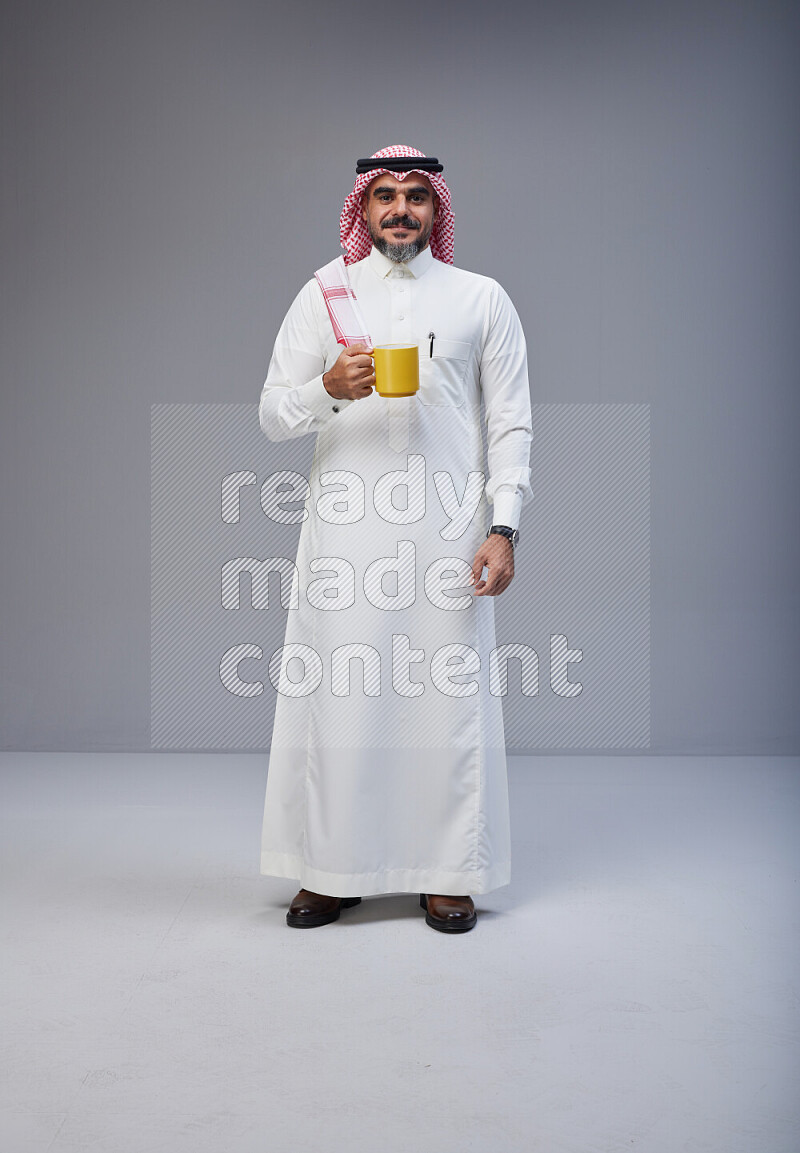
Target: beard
pixel 400 253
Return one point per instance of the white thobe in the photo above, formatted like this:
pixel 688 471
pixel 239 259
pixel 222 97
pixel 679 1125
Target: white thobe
pixel 387 768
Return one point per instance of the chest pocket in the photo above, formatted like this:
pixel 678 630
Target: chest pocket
pixel 441 376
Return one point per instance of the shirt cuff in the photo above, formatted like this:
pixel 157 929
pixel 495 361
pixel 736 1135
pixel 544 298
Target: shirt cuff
pixel 506 508
pixel 319 401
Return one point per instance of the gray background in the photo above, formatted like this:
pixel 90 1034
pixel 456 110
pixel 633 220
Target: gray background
pixel 174 171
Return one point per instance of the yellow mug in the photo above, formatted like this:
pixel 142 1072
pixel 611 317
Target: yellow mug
pixel 396 369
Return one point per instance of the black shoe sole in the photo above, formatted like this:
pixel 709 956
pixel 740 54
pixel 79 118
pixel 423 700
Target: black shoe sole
pixel 313 920
pixel 445 926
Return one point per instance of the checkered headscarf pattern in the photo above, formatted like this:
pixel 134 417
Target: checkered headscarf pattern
pixel 353 230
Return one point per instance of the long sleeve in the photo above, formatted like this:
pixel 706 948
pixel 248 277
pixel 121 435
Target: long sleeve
pixel 507 402
pixel 507 505
pixel 294 401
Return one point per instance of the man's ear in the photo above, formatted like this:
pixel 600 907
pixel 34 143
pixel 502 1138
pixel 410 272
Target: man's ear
pixel 363 206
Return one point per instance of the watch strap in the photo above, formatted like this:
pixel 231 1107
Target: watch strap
pixel 511 534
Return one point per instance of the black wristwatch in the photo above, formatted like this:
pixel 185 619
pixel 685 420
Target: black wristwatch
pixel 511 534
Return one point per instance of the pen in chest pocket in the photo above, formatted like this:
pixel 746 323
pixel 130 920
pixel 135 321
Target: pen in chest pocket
pixel 431 338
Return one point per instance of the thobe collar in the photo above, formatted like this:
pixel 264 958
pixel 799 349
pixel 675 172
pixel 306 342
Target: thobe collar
pixel 382 266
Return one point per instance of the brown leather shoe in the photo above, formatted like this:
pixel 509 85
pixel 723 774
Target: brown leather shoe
pixel 308 909
pixel 448 914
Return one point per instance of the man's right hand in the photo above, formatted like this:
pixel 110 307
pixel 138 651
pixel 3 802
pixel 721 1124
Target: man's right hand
pixel 353 375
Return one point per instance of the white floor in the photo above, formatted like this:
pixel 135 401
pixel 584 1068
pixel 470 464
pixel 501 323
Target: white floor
pixel 635 987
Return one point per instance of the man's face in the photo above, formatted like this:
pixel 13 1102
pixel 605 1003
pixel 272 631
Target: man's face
pixel 399 214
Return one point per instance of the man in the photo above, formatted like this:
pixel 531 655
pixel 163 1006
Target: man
pixel 397 783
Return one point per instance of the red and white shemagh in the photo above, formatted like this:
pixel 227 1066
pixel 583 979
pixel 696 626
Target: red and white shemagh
pixel 340 300
pixel 353 230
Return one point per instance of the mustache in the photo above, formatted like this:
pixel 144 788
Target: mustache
pixel 402 222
